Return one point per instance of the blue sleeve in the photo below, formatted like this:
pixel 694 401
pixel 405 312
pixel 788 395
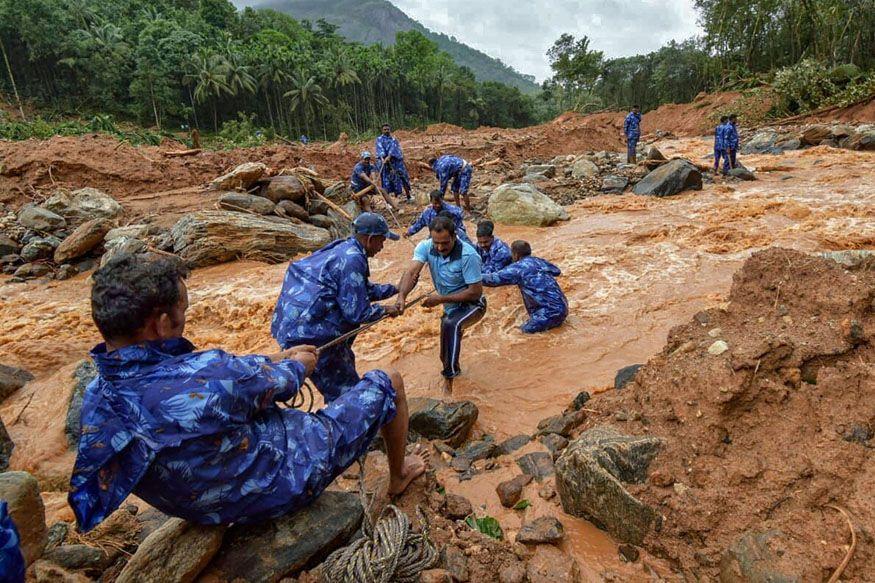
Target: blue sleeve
pixel 472 269
pixel 418 224
pixel 258 382
pixel 502 259
pixel 444 178
pixel 380 150
pixel 510 275
pixel 733 137
pixel 381 291
pixel 11 559
pixel 353 295
pixel 421 252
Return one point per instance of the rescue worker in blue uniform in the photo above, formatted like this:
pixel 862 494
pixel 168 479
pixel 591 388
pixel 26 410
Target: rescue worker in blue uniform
pixel 542 296
pixel 719 142
pixel 494 253
pixel 458 280
pixel 731 143
pixel 328 294
pixel 458 170
pixel 11 559
pixel 390 164
pixel 361 179
pixel 632 130
pixel 436 206
pixel 200 435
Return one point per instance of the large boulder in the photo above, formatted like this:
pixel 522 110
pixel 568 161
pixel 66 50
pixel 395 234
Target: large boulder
pixel 589 479
pixel 274 549
pixel 862 139
pixel 84 204
pixel 12 379
pixel 278 188
pixel 523 204
pixel 40 219
pixel 290 209
pixel 8 246
pixel 584 168
pixel 21 492
pixel 39 248
pixel 813 135
pixel 447 421
pixel 243 176
pixel 178 551
pixel 238 201
pixel 82 376
pixel 671 178
pixel 6 447
pixel 86 237
pixel 210 237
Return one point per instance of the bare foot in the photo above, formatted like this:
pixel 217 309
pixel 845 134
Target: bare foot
pixel 448 386
pixel 414 466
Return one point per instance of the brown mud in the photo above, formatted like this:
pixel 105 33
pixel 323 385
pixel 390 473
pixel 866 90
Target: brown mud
pixel 633 268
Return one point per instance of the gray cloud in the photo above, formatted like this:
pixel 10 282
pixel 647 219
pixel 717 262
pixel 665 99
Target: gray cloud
pixel 520 32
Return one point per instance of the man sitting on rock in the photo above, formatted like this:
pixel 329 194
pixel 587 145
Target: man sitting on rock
pixel 494 252
pixel 361 180
pixel 200 435
pixel 542 296
pixel 435 207
pixel 328 294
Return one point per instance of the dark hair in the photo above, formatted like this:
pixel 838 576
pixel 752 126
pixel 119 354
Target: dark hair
pixel 733 117
pixel 724 118
pixel 636 107
pixel 485 228
pixel 131 288
pixel 436 195
pixel 521 248
pixel 386 125
pixel 443 224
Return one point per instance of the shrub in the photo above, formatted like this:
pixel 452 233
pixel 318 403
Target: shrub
pixel 803 86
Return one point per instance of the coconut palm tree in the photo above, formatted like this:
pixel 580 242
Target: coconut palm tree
pixel 305 96
pixel 209 73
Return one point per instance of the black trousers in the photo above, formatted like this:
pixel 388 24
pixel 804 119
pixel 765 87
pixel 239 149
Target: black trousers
pixel 452 326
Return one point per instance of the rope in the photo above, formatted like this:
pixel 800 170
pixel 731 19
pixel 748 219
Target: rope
pixel 387 551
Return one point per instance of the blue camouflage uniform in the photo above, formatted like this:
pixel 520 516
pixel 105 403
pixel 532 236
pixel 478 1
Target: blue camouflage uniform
pixel 455 168
pixel 394 176
pixel 632 129
pixel 11 559
pixel 355 181
pixel 719 144
pixel 731 140
pixel 429 214
pixel 326 295
pixel 542 296
pixel 199 435
pixel 497 257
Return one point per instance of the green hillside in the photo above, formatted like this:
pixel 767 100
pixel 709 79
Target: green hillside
pixel 377 21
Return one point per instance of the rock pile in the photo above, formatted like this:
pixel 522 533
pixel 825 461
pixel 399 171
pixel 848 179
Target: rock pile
pixel 780 139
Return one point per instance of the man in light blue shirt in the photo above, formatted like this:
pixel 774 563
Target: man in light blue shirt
pixel 455 268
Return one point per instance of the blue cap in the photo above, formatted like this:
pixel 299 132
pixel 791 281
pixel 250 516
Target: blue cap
pixel 374 225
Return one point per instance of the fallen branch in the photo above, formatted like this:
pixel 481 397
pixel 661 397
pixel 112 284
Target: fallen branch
pixel 178 153
pixel 333 206
pixel 844 564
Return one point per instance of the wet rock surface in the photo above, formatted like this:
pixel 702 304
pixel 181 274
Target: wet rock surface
pixel 447 421
pixel 25 506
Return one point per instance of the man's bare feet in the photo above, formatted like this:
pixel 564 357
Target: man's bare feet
pixel 414 466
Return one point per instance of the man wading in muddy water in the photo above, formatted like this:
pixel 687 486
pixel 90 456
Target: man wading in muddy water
pixel 456 272
pixel 199 435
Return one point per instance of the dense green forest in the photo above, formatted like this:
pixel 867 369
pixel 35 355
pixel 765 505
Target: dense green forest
pixel 378 21
pixel 202 63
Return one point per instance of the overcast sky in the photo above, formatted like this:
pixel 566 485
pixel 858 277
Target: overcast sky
pixel 519 32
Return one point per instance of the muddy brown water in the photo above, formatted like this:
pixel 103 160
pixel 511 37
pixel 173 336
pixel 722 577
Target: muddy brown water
pixel 633 267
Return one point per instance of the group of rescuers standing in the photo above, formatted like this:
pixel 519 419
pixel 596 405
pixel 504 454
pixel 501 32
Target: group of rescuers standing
pixel 201 434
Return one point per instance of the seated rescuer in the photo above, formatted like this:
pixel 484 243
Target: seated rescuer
pixel 542 296
pixel 362 179
pixel 199 435
pixel 436 206
pixel 328 294
pixel 456 273
pixel 494 253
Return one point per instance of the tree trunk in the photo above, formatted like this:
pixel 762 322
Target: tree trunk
pixel 154 106
pixel 193 108
pixel 215 116
pixel 12 80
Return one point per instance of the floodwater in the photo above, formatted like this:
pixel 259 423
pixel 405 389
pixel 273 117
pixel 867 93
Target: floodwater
pixel 633 267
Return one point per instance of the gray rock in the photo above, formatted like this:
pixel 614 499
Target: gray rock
pixel 84 204
pixel 510 491
pixel 532 178
pixel 6 447
pixel 321 221
pixel 584 168
pixel 762 142
pixel 291 209
pixel 561 424
pixel 742 173
pixel 613 184
pixel 548 170
pixel 626 375
pixel 447 421
pixel 122 246
pixel 478 450
pixel 272 550
pixel 590 475
pixel 21 492
pixel 150 520
pixel 57 535
pixel 12 379
pixel 40 219
pixel 66 272
pixel 652 153
pixel 580 400
pixel 672 178
pixel 10 260
pixel 554 443
pixel 238 201
pixel 523 204
pixel 456 564
pixel 33 270
pixel 280 188
pixel 457 507
pixel 76 557
pixel 543 530
pixel 129 231
pixel 209 237
pixel 512 444
pixel 8 246
pixel 815 134
pixel 537 464
pixel 83 375
pixel 86 237
pixel 751 559
pixel 862 139
pixel 178 551
pixel 243 176
pixel 37 249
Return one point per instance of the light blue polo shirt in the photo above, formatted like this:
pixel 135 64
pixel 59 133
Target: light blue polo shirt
pixel 453 273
